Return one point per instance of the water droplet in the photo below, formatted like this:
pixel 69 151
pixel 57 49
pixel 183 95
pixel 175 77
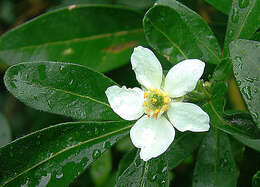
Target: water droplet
pixel 96 154
pixel 42 71
pixel 239 63
pixel 71 81
pixel 251 79
pixel 163 181
pixel 154 177
pixel 255 90
pixel 243 3
pixel 96 131
pixel 164 169
pixel 59 175
pixel 235 16
pixel 107 145
pixel 247 91
pixel 13 84
pixel 238 83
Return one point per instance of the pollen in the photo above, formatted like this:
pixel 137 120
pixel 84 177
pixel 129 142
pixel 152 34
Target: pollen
pixel 166 100
pixel 146 94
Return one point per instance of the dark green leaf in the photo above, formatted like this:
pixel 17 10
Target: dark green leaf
pixel 243 21
pixel 56 155
pixel 5 131
pixel 256 179
pixel 97 36
pixel 222 5
pixel 215 164
pixel 178 33
pixel 223 70
pixel 62 88
pixel 245 55
pixel 241 131
pixel 100 170
pixel 183 145
pixel 135 172
pixel 256 37
pixel 244 120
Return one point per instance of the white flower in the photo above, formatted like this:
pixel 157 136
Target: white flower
pixel 160 101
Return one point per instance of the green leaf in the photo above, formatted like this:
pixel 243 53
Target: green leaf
pixel 245 55
pixel 62 88
pixel 244 119
pixel 256 37
pixel 135 172
pixel 183 146
pixel 5 131
pixel 100 170
pixel 223 70
pixel 215 164
pixel 178 33
pixel 241 131
pixel 98 36
pixel 222 5
pixel 243 21
pixel 56 155
pixel 256 179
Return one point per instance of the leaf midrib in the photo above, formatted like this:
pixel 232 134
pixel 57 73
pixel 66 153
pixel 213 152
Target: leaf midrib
pixel 64 91
pixel 64 150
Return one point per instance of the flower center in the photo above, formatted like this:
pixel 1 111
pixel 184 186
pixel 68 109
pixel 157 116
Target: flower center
pixel 156 102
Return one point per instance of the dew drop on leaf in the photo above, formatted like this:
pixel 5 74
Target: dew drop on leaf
pixel 247 91
pixel 107 145
pixel 235 16
pixel 96 154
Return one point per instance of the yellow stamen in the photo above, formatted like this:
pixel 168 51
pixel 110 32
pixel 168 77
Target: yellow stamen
pixel 145 103
pixel 166 100
pixel 146 94
pixel 153 100
pixel 165 107
pixel 157 91
pixel 147 109
pixel 156 112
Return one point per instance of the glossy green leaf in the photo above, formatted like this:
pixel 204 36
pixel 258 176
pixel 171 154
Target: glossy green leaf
pixel 56 155
pixel 135 172
pixel 223 70
pixel 241 131
pixel 215 164
pixel 101 168
pixel 222 5
pixel 97 36
pixel 5 131
pixel 62 88
pixel 183 146
pixel 178 33
pixel 244 119
pixel 243 21
pixel 245 55
pixel 256 179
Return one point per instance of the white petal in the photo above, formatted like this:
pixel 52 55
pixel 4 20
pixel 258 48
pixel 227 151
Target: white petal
pixel 147 68
pixel 127 103
pixel 153 136
pixel 188 117
pixel 183 77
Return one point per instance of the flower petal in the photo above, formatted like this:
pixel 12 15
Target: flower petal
pixel 153 136
pixel 188 116
pixel 127 103
pixel 183 77
pixel 147 68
